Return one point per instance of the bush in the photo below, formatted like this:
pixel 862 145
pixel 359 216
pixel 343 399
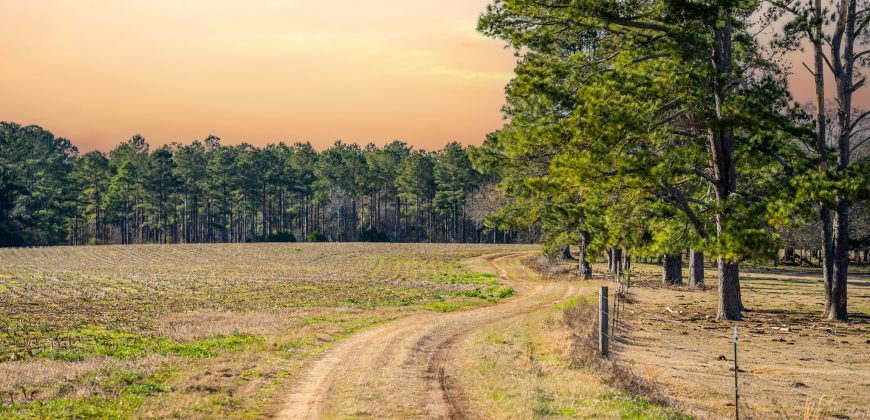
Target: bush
pixel 278 237
pixel 9 236
pixel 95 241
pixel 317 237
pixel 372 235
pixel 580 319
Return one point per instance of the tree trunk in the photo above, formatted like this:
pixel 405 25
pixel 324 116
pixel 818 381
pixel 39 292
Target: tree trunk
pixel 730 306
pixel 608 254
pixel 827 262
pixel 672 270
pixel 626 261
pixel 842 45
pixel 354 221
pixel 398 221
pixel 566 253
pixel 724 171
pixel 696 269
pixel 585 269
pixel 827 254
pixel 617 261
pixel 838 308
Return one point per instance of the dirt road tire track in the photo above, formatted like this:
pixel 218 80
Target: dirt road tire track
pixel 402 368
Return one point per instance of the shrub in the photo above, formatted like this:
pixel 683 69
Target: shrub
pixel 317 237
pixel 278 237
pixel 95 241
pixel 581 320
pixel 372 235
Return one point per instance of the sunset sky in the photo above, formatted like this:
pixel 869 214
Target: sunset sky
pixel 261 71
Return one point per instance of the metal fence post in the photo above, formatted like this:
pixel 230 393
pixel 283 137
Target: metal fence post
pixel 736 393
pixel 602 322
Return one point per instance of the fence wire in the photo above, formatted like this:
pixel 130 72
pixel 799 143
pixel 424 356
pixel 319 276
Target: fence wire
pixel 617 315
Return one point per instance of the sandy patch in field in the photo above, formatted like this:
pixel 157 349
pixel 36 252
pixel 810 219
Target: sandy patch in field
pixel 193 325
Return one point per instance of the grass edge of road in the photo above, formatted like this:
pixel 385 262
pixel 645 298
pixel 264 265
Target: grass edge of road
pixel 528 367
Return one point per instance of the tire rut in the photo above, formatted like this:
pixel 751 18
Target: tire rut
pixel 402 368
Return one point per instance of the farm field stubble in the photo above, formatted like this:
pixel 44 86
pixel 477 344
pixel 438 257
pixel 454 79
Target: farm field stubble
pixel 203 330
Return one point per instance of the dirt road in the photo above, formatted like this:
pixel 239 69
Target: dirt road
pixel 404 368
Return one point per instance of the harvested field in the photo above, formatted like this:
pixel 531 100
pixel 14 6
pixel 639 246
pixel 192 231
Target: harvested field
pixel 203 330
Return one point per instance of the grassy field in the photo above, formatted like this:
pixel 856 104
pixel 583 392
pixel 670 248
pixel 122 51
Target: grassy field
pixel 203 330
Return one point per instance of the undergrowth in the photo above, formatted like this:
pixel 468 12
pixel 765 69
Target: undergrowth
pixel 581 318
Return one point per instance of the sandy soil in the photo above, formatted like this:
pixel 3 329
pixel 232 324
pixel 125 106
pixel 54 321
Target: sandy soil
pixel 792 364
pixel 407 368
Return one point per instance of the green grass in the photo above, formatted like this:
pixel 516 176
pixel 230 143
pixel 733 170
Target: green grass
pixel 93 342
pixel 123 392
pixel 470 278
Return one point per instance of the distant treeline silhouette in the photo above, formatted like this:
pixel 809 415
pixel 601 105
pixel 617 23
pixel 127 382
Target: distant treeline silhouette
pixel 206 191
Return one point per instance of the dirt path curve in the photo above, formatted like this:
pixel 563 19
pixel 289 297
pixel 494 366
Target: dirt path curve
pixel 403 368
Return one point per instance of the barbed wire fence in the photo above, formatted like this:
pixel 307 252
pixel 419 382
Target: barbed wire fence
pixel 612 312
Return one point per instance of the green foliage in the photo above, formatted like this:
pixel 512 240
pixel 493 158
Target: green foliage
pixel 317 237
pixel 36 195
pixel 608 130
pixel 209 192
pixel 279 237
pixel 372 235
pixel 454 177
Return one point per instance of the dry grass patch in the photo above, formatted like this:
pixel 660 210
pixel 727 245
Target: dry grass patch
pixel 525 367
pixel 792 363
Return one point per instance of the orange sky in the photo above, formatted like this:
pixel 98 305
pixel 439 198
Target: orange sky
pixel 99 71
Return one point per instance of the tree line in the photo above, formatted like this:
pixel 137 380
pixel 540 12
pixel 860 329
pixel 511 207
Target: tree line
pixel 650 129
pixel 206 191
pixel 659 128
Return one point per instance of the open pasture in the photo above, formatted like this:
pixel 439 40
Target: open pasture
pixel 203 329
pixel 791 362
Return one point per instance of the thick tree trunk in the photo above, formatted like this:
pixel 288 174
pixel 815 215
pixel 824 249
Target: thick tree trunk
pixel 724 172
pixel 696 269
pixel 843 59
pixel 730 306
pixel 585 269
pixel 838 307
pixel 827 254
pixel 672 270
